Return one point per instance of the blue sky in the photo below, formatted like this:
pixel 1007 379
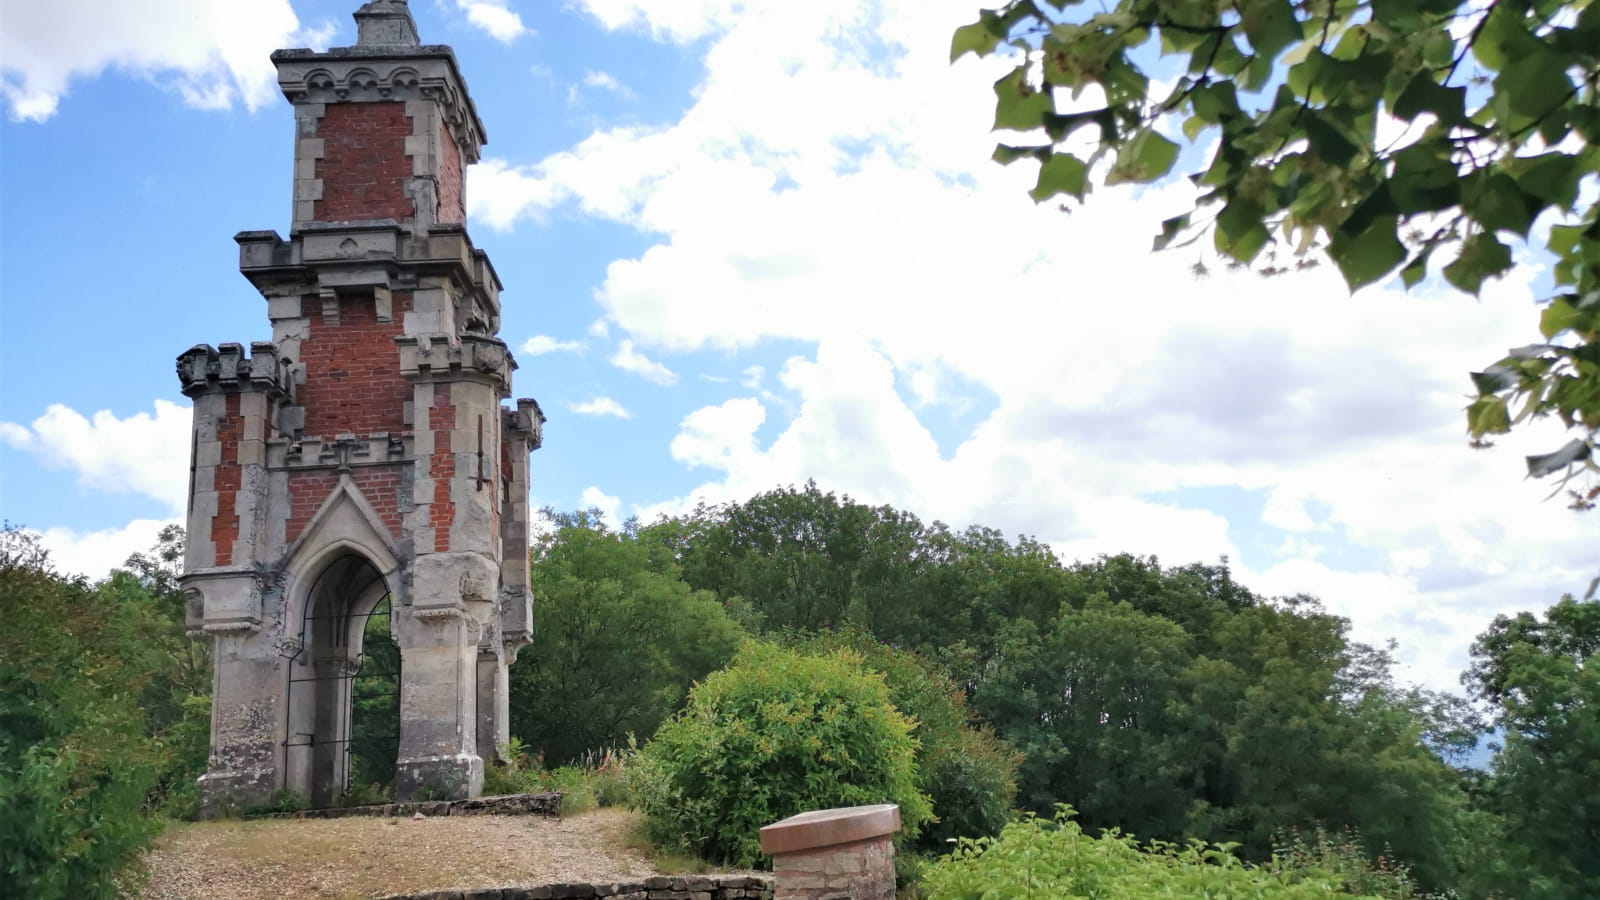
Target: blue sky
pixel 748 243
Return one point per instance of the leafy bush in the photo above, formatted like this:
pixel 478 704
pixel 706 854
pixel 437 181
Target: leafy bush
pixel 968 772
pixel 775 734
pixel 1342 854
pixel 1037 858
pixel 75 762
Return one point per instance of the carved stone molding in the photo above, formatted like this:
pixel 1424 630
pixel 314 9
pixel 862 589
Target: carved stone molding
pixel 384 72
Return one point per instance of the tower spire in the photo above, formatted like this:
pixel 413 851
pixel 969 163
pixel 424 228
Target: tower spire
pixel 385 23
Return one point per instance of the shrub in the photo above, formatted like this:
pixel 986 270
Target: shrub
pixel 1038 858
pixel 775 734
pixel 968 772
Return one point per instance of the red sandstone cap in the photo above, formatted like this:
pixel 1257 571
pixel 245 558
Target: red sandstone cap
pixel 826 827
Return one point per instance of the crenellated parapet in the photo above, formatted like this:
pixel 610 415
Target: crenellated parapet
pixel 441 358
pixel 205 369
pixel 526 423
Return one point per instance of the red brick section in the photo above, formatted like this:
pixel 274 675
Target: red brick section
pixel 380 485
pixel 452 203
pixel 225 524
pixel 353 383
pixel 307 491
pixel 364 167
pixel 442 467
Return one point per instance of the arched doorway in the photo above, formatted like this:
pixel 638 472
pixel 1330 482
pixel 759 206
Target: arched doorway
pixel 333 678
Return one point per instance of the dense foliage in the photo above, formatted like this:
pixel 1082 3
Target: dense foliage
pixel 1038 858
pixel 1544 676
pixel 618 640
pixel 965 769
pixel 775 734
pixel 101 719
pixel 1389 134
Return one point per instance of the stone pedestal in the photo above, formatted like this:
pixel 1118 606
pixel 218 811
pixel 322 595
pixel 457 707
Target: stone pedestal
pixel 834 854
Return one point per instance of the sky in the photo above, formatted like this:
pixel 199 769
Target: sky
pixel 747 243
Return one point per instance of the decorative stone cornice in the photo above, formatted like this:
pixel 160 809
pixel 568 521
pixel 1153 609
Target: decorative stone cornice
pixel 438 357
pixel 203 369
pixel 378 72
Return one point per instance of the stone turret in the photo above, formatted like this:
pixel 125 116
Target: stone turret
pixel 363 453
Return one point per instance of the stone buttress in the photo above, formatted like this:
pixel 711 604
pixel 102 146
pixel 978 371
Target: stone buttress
pixel 363 453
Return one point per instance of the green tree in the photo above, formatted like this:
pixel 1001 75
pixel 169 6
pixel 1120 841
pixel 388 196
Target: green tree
pixel 1543 677
pixel 618 640
pixel 1502 100
pixel 76 759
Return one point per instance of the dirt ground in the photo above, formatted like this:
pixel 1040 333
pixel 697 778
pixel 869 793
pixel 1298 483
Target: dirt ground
pixel 367 857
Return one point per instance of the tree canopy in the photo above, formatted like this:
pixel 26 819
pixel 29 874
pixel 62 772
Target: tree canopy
pixel 1393 136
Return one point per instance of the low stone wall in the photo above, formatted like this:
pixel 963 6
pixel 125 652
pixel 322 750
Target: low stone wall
pixel 661 887
pixel 508 805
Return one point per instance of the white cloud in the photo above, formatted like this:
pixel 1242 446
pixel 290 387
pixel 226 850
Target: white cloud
pixel 540 344
pixel 600 406
pixel 831 186
pixel 609 506
pixel 93 554
pixel 213 53
pixel 607 82
pixel 494 19
pixel 631 360
pixel 143 453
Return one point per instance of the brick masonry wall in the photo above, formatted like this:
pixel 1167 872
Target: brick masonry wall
pixel 225 524
pixel 353 383
pixel 364 167
pixel 380 485
pixel 860 870
pixel 452 198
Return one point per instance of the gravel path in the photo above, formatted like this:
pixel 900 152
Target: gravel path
pixel 364 857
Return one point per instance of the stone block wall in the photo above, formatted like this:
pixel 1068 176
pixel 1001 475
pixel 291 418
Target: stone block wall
pixel 859 870
pixel 834 854
pixel 661 887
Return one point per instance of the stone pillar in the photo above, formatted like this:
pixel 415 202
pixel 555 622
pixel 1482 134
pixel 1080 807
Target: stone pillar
pixel 834 854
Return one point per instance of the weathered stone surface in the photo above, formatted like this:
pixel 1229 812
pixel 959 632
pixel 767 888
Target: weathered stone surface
pixel 363 453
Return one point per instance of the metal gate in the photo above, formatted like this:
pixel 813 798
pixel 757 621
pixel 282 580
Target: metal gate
pixel 371 690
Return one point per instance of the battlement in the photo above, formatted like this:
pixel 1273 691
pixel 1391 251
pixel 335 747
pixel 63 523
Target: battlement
pixel 468 357
pixel 526 422
pixel 205 369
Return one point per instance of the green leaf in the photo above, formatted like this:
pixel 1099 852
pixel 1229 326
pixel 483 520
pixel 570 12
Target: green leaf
pixel 1062 173
pixel 1143 159
pixel 1424 95
pixel 1417 268
pixel 1482 257
pixel 1215 102
pixel 1018 106
pixel 1558 317
pixel 1327 141
pixel 1498 203
pixel 1240 232
pixel 1551 177
pixel 981 37
pixel 1535 84
pixel 1271 25
pixel 1425 179
pixel 1170 229
pixel 1369 256
pixel 1494 379
pixel 1488 415
pixel 1005 154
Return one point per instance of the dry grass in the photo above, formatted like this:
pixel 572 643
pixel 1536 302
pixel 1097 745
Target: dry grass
pixel 363 857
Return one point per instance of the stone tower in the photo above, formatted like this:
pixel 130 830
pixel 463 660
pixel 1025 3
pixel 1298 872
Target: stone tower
pixel 362 454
